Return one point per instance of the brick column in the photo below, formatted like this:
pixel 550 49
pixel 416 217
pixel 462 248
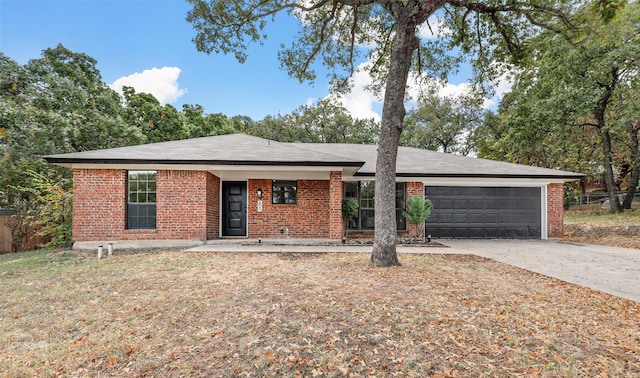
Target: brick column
pixel 555 211
pixel 335 205
pixel 415 189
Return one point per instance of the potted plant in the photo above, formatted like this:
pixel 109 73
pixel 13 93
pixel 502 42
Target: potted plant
pixel 418 209
pixel 349 209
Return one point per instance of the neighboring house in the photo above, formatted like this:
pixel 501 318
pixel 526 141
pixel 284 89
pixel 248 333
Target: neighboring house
pixel 248 187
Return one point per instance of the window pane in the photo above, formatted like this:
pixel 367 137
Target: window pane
pixel 400 195
pixel 367 219
pixel 141 196
pixel 284 192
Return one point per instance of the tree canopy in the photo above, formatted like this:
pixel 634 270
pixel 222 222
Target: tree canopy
pixel 386 33
pixel 572 105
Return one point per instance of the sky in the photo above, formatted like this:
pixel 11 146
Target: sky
pixel 147 44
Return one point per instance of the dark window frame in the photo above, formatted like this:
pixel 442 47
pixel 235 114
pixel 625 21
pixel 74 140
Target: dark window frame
pixel 141 200
pixel 284 192
pixel 363 220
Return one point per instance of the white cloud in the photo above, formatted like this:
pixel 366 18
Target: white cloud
pixel 162 83
pixel 359 101
pixel 433 28
pixel 362 104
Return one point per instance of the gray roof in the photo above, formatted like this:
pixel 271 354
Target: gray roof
pixel 232 149
pixel 241 149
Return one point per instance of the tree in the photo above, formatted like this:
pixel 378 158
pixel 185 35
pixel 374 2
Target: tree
pixel 418 209
pixel 341 31
pixel 572 105
pixel 54 104
pixel 158 123
pixel 326 122
pixel 445 124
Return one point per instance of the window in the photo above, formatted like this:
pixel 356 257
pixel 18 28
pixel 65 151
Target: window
pixel 364 192
pixel 141 199
pixel 284 192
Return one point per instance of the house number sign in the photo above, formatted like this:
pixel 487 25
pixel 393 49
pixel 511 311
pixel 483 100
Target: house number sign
pixel 259 206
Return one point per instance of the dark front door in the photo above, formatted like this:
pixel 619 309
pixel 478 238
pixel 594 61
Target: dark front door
pixel 234 208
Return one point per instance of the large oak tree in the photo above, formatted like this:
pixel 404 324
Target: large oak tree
pixel 387 32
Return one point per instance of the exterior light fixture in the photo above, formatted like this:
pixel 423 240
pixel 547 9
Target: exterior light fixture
pixel 260 193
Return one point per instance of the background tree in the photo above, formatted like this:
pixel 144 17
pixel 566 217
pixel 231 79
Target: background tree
pixel 53 104
pixel 569 107
pixel 339 32
pixel 446 124
pixel 325 122
pixel 198 124
pixel 158 123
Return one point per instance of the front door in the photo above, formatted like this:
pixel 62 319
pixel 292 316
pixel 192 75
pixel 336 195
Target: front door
pixel 234 208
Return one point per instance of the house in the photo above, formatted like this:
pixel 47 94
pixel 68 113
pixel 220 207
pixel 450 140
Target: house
pixel 240 186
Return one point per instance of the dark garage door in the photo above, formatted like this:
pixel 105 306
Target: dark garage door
pixel 480 212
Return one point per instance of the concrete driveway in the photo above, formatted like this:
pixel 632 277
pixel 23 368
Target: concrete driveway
pixel 611 270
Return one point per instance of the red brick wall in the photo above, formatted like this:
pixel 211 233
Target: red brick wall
pixel 181 205
pixel 415 189
pixel 309 218
pixel 335 205
pixel 555 210
pixel 184 207
pixel 98 204
pixel 213 206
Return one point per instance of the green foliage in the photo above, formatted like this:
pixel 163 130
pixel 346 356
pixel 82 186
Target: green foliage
pixel 418 209
pixel 445 124
pixel 326 122
pixel 349 209
pixel 50 209
pixel 571 195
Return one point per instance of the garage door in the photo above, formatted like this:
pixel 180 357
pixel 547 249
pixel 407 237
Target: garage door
pixel 481 212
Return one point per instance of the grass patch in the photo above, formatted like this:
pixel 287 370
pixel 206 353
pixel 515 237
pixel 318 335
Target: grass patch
pixel 217 314
pixel 600 217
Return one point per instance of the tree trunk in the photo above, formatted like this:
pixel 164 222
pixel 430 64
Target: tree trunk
pixel 607 150
pixel 635 164
pixel 609 179
pixel 393 113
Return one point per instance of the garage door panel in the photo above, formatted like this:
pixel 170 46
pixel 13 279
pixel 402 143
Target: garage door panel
pixel 484 212
pixel 477 218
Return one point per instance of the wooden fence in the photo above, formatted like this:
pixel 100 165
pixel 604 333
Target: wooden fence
pixel 6 240
pixel 30 242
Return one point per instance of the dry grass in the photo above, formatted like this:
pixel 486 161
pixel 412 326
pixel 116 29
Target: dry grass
pixel 600 217
pixel 209 314
pixel 599 226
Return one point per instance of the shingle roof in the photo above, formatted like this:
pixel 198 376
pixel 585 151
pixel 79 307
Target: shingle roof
pixel 232 149
pixel 416 162
pixel 241 149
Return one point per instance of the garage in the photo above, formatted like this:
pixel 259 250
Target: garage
pixel 484 212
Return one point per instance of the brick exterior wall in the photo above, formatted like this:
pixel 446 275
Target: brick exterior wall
pixel 181 205
pixel 335 205
pixel 415 189
pixel 213 206
pixel 555 211
pixel 99 211
pixel 308 218
pixel 186 206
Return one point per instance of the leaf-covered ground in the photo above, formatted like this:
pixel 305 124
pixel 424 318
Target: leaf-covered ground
pixel 597 226
pixel 213 314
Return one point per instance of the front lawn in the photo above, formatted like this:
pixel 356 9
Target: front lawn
pixel 173 313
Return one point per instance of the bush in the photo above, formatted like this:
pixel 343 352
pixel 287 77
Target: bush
pixel 418 209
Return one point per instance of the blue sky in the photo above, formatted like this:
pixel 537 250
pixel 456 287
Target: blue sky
pixel 131 38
